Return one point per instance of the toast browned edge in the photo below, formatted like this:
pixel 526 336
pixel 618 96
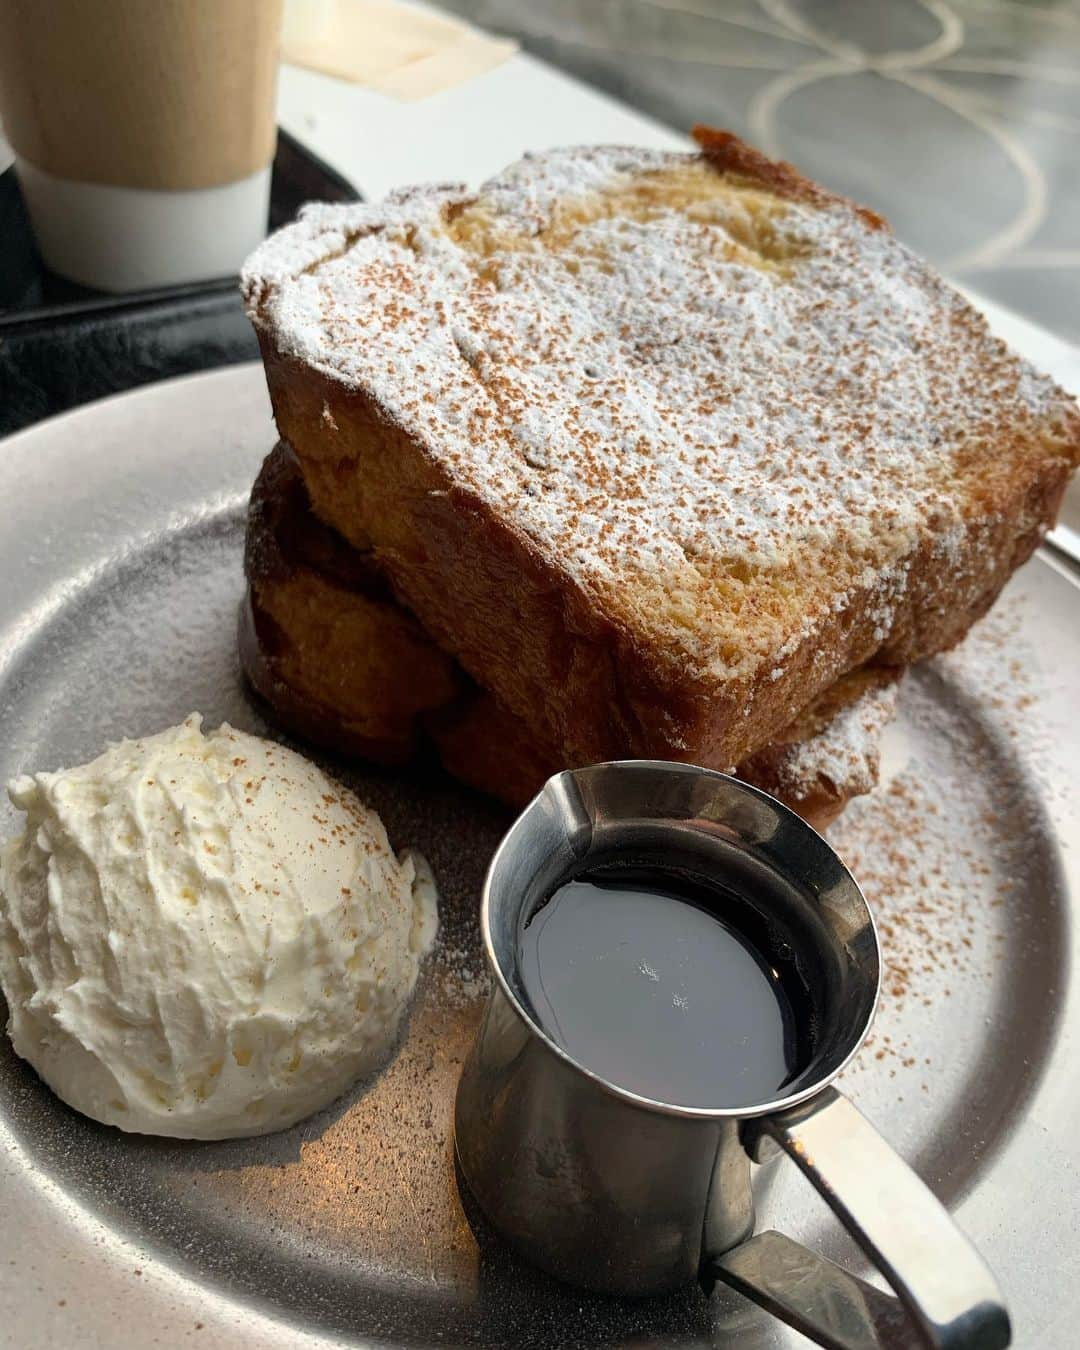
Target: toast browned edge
pixel 524 629
pixel 295 566
pixel 378 669
pixel 521 624
pixel 732 156
pixel 488 748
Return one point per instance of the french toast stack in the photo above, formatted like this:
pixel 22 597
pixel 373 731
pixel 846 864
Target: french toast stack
pixel 630 454
pixel 344 666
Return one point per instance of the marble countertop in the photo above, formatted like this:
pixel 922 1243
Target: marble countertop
pixel 958 119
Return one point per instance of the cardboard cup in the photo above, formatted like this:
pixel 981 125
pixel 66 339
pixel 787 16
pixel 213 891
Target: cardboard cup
pixel 143 133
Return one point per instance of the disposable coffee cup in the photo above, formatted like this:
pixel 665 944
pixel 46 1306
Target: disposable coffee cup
pixel 143 133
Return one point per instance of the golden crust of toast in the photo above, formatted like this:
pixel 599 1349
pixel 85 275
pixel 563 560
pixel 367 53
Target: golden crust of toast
pixel 321 635
pixel 735 158
pixel 323 644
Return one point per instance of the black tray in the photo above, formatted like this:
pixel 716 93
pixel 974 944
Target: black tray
pixel 62 344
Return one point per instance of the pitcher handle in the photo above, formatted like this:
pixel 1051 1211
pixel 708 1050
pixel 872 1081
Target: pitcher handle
pixel 945 1292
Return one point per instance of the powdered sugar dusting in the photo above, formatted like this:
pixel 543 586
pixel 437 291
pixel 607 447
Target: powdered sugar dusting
pixel 847 753
pixel 949 851
pixel 685 395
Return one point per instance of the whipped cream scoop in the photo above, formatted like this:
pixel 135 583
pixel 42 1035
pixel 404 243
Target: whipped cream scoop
pixel 203 936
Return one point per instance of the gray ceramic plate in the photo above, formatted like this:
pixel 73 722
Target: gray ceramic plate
pixel 119 581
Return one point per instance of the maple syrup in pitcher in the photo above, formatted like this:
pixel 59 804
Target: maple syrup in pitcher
pixel 668 985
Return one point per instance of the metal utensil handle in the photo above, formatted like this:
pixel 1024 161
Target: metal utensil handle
pixel 949 1296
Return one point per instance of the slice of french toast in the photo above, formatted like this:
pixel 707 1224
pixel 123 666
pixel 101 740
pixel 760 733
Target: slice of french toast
pixel 343 665
pixel 658 446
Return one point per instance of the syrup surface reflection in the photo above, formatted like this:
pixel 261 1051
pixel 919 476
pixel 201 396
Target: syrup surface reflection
pixel 668 986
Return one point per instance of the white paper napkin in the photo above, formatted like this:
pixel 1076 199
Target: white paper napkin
pixel 397 49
